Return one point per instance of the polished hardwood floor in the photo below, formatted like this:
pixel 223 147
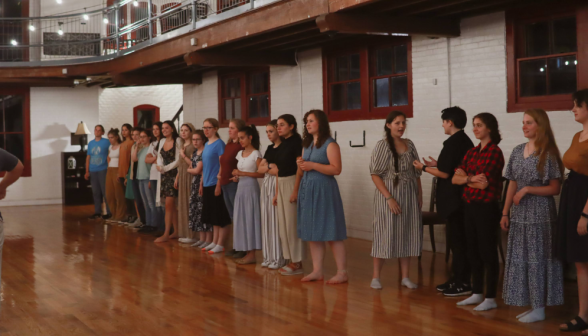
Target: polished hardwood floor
pixel 65 275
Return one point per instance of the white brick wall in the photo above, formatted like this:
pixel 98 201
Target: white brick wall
pixel 55 114
pixel 470 71
pixel 116 105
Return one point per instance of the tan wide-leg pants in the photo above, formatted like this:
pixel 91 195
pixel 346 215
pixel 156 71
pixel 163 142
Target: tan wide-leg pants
pixel 115 195
pixel 292 246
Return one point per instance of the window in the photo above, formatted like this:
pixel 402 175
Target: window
pixel 14 125
pixel 368 81
pixel 145 116
pixel 245 95
pixel 543 57
pixel 16 30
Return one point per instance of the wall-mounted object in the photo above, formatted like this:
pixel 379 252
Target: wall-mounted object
pixel 351 145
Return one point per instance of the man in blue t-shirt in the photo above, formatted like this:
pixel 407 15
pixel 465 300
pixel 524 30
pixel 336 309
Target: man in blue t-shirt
pixel 13 168
pixel 96 168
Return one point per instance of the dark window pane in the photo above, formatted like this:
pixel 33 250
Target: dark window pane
pixel 228 109
pixel 237 107
pixel 342 68
pixel 232 87
pixel 2 141
pixel 145 118
pixel 562 75
pixel 15 145
pixel 13 110
pixel 253 107
pixel 399 90
pixel 400 59
pixel 384 59
pixel 537 39
pixel 533 78
pixel 259 83
pixel 381 92
pixel 353 96
pixel 264 106
pixel 564 35
pixel 354 69
pixel 338 97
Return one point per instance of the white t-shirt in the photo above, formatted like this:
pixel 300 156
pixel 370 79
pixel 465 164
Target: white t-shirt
pixel 113 154
pixel 248 164
pixel 154 173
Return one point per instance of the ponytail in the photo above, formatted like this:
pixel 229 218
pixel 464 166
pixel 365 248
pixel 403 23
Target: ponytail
pixel 251 131
pixel 390 139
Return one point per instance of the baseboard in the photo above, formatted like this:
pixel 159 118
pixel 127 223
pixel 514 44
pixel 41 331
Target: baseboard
pixel 51 201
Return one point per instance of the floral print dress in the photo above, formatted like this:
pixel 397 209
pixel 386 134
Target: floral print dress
pixel 195 218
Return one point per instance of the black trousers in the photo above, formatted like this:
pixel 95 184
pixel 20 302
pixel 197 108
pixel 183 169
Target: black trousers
pixel 482 222
pixel 458 243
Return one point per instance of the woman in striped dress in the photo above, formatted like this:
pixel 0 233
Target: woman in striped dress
pixel 398 225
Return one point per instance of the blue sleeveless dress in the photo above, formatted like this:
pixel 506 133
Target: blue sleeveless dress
pixel 320 208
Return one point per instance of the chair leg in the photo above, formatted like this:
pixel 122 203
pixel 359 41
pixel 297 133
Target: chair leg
pixel 432 236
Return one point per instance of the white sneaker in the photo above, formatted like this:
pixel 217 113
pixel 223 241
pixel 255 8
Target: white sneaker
pixel 186 240
pixel 265 264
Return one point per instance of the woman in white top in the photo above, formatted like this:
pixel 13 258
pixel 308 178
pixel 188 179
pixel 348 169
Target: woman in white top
pixel 115 195
pixel 247 211
pixel 158 219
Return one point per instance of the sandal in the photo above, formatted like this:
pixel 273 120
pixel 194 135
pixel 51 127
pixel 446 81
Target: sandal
pixel 579 326
pixel 292 269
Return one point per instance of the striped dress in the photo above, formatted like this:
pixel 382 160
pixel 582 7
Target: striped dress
pixel 396 236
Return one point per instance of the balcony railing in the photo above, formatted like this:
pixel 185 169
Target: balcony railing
pixel 109 32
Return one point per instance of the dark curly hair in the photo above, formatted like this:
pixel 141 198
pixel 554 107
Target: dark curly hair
pixel 251 131
pixel 491 123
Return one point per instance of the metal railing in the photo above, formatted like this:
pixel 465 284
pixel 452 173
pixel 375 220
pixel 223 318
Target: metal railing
pixel 110 32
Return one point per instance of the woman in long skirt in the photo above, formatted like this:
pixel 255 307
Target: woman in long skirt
pixel 195 216
pixel 184 184
pixel 532 277
pixel 247 212
pixel 270 236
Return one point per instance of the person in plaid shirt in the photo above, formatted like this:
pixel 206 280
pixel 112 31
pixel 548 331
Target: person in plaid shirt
pixel 481 173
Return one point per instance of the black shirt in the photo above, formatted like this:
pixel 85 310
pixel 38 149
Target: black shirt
pixel 286 154
pixel 448 194
pixel 270 154
pixel 7 161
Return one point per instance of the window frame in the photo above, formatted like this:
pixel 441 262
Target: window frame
pixel 366 49
pixel 26 127
pixel 244 76
pixel 515 21
pixel 136 109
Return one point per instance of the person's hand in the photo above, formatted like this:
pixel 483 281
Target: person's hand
pixel 237 172
pixel 294 197
pixel 582 226
pixel 421 202
pixel 125 182
pixel 159 168
pixel 299 161
pixel 275 200
pixel 481 178
pixel 307 165
pixel 217 190
pixel 2 193
pixel 519 196
pixel 460 172
pixel 394 207
pixel 418 165
pixel 200 191
pixel 183 154
pixel 431 163
pixel 505 223
pixel 87 176
pixel 149 184
pixel 176 184
pixel 234 179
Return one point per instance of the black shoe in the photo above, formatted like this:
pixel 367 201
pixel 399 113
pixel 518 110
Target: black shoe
pixel 146 229
pixel 105 217
pixel 95 216
pixel 458 289
pixel 445 286
pixel 230 253
pixel 239 255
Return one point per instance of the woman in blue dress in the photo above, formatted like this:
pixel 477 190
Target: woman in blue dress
pixel 320 208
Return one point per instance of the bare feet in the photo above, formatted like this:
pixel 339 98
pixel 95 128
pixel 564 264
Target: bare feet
pixel 339 278
pixel 162 239
pixel 174 236
pixel 314 276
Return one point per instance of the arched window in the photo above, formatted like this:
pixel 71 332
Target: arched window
pixel 145 116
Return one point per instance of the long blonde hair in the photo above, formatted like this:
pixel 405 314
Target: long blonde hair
pixel 544 141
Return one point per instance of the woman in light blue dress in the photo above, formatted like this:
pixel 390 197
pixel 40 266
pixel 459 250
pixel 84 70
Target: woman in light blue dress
pixel 320 208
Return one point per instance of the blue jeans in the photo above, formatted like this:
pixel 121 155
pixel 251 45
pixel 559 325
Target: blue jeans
pixel 159 214
pixel 148 201
pixel 98 182
pixel 229 192
pixel 138 200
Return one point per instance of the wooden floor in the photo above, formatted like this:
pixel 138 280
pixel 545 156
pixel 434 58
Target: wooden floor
pixel 65 275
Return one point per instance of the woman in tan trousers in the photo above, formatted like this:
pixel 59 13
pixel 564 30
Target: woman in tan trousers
pixel 115 195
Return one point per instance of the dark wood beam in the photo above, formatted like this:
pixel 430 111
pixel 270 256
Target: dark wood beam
pixel 42 82
pixel 426 8
pixel 211 58
pixel 282 34
pixel 380 23
pixel 141 80
pixel 474 6
pixel 391 5
pixel 290 41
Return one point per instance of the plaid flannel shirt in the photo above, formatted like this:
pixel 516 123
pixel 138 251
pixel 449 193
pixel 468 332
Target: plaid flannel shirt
pixel 490 162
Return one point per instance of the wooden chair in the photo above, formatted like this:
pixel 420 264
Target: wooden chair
pixel 431 218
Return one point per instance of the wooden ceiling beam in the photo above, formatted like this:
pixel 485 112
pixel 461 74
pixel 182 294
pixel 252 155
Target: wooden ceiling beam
pixel 390 5
pixel 290 41
pixel 40 82
pixel 384 24
pixel 209 58
pixel 141 80
pixel 426 8
pixel 280 35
